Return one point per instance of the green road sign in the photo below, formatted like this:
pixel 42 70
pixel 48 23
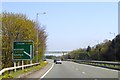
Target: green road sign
pixel 23 50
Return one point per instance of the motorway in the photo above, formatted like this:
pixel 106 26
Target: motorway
pixel 74 70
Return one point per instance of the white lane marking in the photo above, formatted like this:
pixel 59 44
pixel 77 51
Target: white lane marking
pixel 77 69
pixel 100 68
pixel 47 71
pixel 83 72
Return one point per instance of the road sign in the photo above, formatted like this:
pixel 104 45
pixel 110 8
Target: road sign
pixel 23 50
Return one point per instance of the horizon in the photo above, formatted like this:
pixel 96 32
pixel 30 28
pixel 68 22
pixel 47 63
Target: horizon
pixel 93 18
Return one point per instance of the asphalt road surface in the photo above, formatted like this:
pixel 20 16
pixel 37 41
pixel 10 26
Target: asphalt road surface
pixel 73 70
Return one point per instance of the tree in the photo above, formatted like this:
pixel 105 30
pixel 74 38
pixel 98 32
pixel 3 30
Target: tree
pixel 106 51
pixel 17 27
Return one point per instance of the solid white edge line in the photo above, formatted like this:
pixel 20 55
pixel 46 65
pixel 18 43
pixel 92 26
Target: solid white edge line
pixel 100 67
pixel 47 71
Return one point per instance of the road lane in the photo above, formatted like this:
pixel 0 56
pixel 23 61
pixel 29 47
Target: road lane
pixel 72 70
pixel 39 73
pixel 75 70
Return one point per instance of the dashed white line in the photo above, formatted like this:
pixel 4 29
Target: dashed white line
pixel 77 69
pixel 99 68
pixel 47 71
pixel 83 72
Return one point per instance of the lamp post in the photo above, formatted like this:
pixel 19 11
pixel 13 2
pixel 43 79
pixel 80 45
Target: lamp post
pixel 114 43
pixel 112 33
pixel 37 34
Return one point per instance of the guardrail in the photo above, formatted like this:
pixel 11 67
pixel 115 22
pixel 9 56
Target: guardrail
pixel 12 68
pixel 107 64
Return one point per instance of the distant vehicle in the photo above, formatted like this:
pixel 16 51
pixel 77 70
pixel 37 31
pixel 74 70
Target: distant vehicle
pixel 58 61
pixel 54 60
pixel 44 59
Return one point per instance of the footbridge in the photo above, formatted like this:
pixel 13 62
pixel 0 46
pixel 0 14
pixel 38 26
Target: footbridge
pixel 57 52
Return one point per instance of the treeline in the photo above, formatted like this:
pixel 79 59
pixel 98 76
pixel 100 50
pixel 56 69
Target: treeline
pixel 106 51
pixel 17 27
pixel 50 57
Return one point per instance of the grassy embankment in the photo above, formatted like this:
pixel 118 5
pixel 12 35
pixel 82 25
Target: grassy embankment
pixel 13 74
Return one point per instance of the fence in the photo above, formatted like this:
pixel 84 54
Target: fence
pixel 14 68
pixel 107 64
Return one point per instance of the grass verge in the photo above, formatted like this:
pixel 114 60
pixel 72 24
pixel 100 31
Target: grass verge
pixel 13 74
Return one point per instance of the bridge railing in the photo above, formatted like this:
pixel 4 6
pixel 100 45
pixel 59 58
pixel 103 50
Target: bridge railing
pixel 18 67
pixel 107 64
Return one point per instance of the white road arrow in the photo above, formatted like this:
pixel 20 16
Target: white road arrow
pixel 27 54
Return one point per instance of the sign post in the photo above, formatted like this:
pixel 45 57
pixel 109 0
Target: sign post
pixel 15 65
pixel 23 50
pixel 22 65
